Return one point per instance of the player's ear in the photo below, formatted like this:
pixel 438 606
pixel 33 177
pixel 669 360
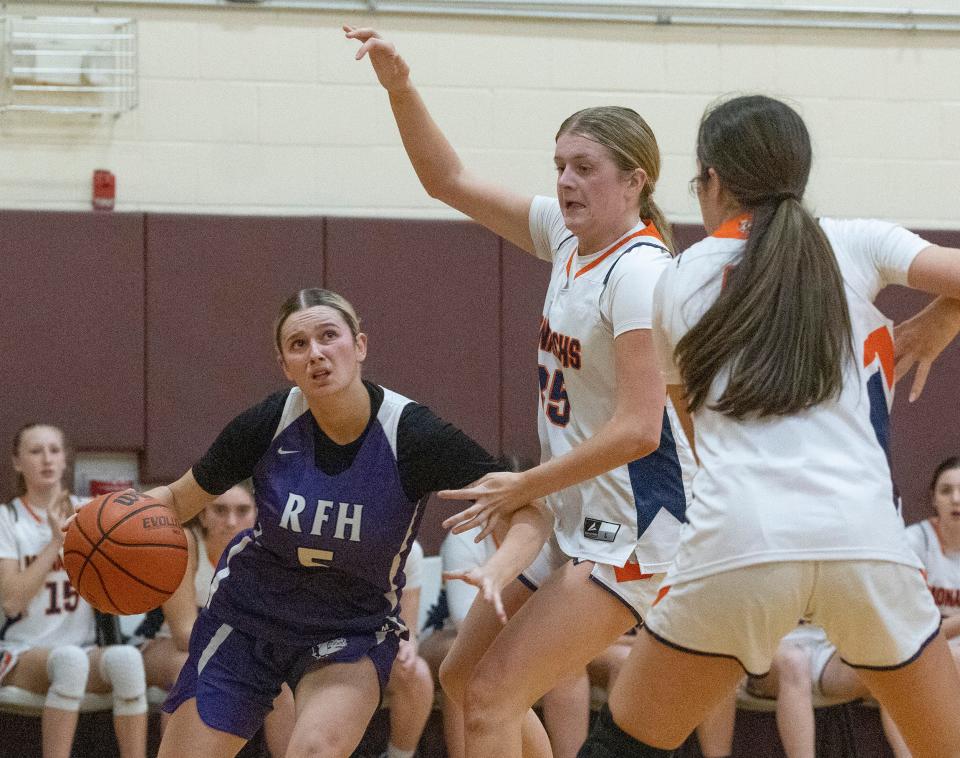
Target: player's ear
pixel 361 340
pixel 638 179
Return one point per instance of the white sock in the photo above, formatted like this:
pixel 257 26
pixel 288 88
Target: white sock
pixel 395 752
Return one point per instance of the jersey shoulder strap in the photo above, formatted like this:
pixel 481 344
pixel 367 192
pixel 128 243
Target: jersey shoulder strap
pixel 389 415
pixel 632 247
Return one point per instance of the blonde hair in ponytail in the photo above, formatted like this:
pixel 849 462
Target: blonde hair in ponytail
pixel 632 145
pixel 650 211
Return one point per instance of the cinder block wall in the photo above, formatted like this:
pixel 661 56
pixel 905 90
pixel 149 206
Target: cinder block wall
pixel 252 111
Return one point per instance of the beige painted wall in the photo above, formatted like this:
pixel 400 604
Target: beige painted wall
pixel 250 111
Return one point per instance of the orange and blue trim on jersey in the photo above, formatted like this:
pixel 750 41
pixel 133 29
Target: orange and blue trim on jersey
pixel 737 228
pixel 878 349
pixel 657 481
pixel 648 231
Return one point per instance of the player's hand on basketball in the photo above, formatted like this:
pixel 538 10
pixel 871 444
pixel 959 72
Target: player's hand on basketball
pixel 919 340
pixel 392 70
pixel 72 514
pixel 59 514
pixel 495 496
pixel 490 586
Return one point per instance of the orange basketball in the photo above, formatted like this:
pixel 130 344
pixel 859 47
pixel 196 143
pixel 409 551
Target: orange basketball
pixel 125 553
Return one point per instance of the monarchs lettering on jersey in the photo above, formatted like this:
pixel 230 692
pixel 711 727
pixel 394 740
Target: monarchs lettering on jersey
pixel 564 348
pixel 348 517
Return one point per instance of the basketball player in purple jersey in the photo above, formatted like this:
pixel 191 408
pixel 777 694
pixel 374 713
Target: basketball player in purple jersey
pixel 311 595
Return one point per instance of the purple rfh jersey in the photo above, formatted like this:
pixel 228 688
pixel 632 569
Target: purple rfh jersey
pixel 327 555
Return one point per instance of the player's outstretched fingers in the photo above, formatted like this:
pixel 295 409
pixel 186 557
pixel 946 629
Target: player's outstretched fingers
pixel 472 515
pixel 492 595
pixel 460 523
pixel 362 33
pixel 392 71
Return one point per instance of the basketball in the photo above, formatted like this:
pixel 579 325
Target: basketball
pixel 125 553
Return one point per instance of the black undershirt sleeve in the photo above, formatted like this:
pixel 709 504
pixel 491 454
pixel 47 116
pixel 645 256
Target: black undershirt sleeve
pixel 431 453
pixel 235 452
pixel 434 455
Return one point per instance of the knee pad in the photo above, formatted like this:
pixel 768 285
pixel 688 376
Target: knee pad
pixel 67 668
pixel 122 667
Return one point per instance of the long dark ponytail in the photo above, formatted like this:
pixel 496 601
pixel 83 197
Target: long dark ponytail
pixel 780 325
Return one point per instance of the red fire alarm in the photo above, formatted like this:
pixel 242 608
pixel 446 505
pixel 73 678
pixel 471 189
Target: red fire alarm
pixel 104 189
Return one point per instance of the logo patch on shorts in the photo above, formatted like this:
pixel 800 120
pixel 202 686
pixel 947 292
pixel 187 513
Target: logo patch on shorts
pixel 328 648
pixel 604 531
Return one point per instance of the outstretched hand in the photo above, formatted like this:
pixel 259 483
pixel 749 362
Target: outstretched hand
pixel 490 588
pixel 392 70
pixel 495 496
pixel 919 340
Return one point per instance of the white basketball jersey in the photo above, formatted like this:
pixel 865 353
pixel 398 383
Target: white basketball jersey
pixel 814 485
pixel 942 568
pixel 592 299
pixel 56 615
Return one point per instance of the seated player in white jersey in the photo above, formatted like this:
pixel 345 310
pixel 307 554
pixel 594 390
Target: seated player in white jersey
pixel 410 687
pixel 341 471
pixel 610 468
pixel 936 541
pixel 783 369
pixel 47 641
pixel 164 635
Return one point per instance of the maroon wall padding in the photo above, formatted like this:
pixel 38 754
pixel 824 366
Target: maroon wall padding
pixel 214 286
pixel 925 432
pixel 427 293
pixel 525 280
pixel 685 235
pixel 71 298
pixel 451 310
